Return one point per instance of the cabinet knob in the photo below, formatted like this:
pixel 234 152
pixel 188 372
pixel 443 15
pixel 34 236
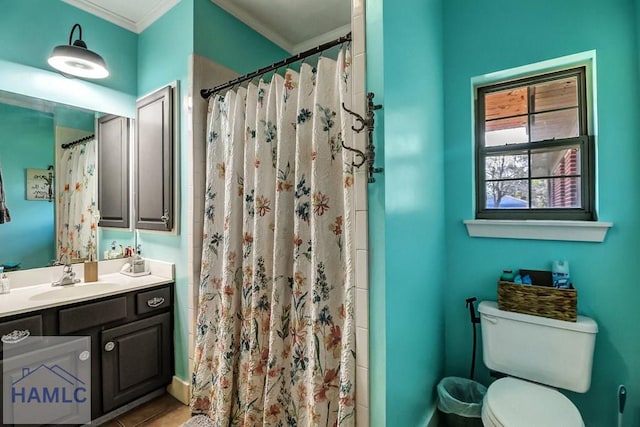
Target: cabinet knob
pixel 165 218
pixel 15 336
pixel 84 356
pixel 109 346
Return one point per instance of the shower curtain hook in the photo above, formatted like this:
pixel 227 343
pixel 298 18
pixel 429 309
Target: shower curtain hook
pixel 261 77
pixel 348 43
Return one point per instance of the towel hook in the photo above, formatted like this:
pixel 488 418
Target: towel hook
pixel 370 154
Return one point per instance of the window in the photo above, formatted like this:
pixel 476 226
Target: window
pixel 534 156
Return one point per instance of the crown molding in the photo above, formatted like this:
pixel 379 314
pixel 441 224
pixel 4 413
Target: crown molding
pixel 117 19
pixel 155 14
pixel 103 13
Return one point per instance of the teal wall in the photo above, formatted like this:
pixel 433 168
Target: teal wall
pixel 485 36
pixel 164 49
pixel 636 3
pixel 164 53
pixel 74 118
pixel 26 141
pixel 224 39
pixel 413 260
pixel 30 29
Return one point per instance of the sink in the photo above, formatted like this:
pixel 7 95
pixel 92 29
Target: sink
pixel 71 291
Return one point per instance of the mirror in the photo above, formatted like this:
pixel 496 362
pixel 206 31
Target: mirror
pixel 50 191
pixel 42 86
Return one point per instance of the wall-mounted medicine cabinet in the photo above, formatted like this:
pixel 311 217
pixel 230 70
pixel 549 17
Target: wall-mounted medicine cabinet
pixel 154 161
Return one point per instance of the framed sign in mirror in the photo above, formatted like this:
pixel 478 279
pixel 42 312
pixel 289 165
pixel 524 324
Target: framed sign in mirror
pixel 40 184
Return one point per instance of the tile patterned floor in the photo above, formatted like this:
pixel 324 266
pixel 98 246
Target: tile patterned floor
pixel 163 411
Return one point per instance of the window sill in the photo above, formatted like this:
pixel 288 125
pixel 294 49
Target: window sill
pixel 577 231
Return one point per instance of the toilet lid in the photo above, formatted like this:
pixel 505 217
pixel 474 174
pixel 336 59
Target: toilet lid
pixel 517 403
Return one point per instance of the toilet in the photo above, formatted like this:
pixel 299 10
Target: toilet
pixel 538 355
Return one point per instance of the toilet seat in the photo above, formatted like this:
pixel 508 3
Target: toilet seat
pixel 511 402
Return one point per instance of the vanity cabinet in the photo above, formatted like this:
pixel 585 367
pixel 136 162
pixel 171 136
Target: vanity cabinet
pixel 113 171
pixel 154 161
pixel 135 360
pixel 131 341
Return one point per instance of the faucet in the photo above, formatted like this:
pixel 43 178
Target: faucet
pixel 68 277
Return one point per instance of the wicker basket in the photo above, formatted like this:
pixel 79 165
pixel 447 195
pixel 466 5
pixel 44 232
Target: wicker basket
pixel 542 301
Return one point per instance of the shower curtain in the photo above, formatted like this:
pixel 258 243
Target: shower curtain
pixel 76 210
pixel 275 337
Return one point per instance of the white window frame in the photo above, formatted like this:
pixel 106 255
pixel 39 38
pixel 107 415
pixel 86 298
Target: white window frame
pixel 589 231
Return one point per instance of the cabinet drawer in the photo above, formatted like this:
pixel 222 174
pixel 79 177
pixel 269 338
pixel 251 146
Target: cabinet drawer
pixel 89 315
pixel 17 330
pixel 156 299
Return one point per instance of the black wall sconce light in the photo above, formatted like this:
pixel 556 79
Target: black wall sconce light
pixel 76 60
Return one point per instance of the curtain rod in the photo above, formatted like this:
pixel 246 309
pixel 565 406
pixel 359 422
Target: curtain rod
pixel 78 141
pixel 206 93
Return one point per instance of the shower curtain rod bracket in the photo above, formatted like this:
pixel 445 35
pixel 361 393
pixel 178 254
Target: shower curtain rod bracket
pixel 369 123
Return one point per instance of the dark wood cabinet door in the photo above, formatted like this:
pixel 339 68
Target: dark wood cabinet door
pixel 113 171
pixel 154 161
pixel 136 360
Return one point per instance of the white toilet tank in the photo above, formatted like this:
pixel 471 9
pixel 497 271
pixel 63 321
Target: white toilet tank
pixel 547 351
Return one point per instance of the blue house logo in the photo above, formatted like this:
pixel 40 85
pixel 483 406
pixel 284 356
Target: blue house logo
pixel 48 384
pixel 47 380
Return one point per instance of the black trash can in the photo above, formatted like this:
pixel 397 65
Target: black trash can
pixel 460 402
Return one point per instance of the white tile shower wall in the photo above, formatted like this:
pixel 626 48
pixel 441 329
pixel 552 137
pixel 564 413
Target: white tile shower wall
pixel 361 246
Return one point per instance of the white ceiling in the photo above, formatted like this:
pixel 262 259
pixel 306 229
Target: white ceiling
pixel 294 25
pixel 134 15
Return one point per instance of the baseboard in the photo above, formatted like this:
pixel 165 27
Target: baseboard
pixel 179 389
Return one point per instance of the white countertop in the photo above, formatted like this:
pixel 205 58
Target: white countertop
pixel 27 298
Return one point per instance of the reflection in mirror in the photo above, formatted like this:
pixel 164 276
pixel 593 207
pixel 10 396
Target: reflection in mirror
pixel 27 142
pixel 44 229
pixel 77 215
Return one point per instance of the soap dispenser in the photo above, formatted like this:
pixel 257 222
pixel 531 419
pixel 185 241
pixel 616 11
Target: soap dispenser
pixel 111 253
pixel 5 288
pixel 137 263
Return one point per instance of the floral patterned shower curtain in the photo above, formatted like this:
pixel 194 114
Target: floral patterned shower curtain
pixel 76 200
pixel 275 338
